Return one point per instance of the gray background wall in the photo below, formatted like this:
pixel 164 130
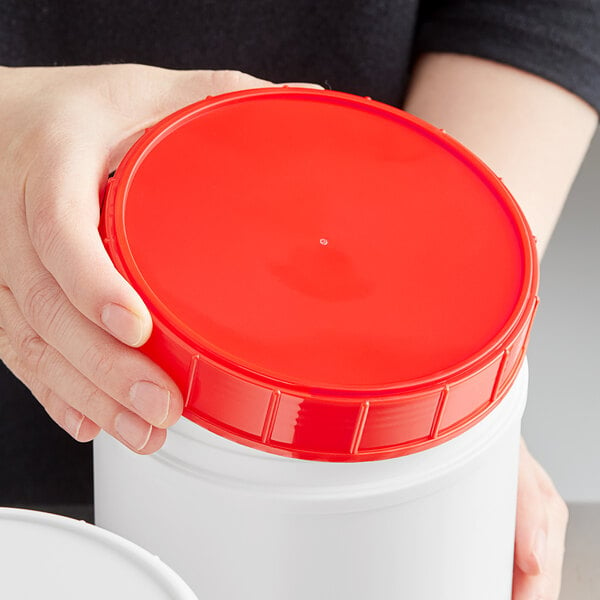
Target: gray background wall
pixel 562 420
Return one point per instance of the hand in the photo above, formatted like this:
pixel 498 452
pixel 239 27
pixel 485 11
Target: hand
pixel 68 320
pixel 542 517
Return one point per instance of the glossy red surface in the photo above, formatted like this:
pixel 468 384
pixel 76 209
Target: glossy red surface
pixel 330 278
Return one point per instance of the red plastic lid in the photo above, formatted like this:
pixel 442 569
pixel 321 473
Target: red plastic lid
pixel 330 278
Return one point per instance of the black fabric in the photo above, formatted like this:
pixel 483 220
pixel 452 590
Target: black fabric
pixel 349 45
pixel 359 46
pixel 558 40
pixel 40 464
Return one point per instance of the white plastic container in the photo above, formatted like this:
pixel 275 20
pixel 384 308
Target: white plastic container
pixel 239 523
pixel 344 295
pixel 55 558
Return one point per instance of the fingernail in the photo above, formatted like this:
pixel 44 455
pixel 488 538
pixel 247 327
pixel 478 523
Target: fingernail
pixel 150 401
pixel 73 421
pixel 539 549
pixel 123 324
pixel 133 430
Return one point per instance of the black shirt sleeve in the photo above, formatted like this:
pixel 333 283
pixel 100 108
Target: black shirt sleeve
pixel 557 40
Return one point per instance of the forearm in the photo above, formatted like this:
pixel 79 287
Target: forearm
pixel 531 132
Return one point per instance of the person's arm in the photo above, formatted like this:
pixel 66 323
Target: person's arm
pixel 534 134
pixel 531 132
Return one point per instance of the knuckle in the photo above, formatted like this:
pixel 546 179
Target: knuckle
pixel 55 133
pixel 226 79
pixel 92 403
pixel 235 75
pixel 98 359
pixel 42 301
pixel 30 348
pixel 4 342
pixel 44 397
pixel 121 83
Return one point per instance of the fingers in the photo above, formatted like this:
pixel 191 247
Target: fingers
pixel 71 420
pixel 532 523
pixel 78 426
pixel 548 586
pixel 558 517
pixel 542 519
pixel 69 397
pixel 84 284
pixel 126 376
pixel 153 93
pixel 139 95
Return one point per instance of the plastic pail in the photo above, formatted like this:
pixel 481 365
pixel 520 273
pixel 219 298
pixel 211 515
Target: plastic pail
pixel 56 558
pixel 344 294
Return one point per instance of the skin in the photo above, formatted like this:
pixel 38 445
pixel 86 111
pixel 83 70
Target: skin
pixel 534 134
pixel 68 320
pixel 70 324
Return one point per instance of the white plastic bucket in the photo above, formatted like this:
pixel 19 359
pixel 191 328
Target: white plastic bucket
pixel 238 522
pixel 56 558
